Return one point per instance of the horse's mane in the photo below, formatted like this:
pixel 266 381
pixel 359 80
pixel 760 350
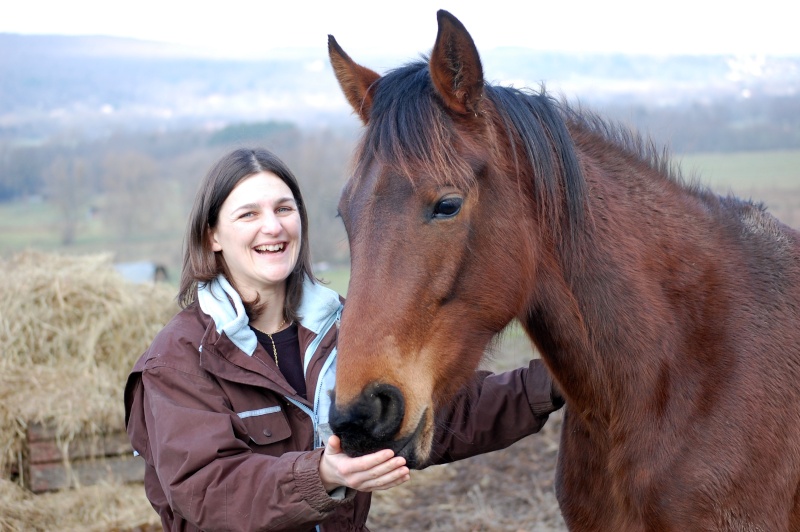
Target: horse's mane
pixel 626 140
pixel 410 130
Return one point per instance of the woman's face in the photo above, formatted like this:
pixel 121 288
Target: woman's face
pixel 258 232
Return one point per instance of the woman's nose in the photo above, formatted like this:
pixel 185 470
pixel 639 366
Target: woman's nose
pixel 271 224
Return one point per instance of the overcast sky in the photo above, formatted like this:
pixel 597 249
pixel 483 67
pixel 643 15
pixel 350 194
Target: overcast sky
pixel 408 27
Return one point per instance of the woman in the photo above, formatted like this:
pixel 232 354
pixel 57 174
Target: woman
pixel 228 405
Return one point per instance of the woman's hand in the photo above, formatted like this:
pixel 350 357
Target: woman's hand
pixel 377 471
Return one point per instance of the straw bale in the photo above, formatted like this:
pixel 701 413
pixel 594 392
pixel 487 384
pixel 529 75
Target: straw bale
pixel 71 328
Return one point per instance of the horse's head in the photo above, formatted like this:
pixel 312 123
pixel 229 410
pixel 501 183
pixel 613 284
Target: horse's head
pixel 439 242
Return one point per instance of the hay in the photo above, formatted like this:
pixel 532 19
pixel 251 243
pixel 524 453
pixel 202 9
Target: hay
pixel 99 508
pixel 70 329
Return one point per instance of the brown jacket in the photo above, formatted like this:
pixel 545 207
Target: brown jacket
pixel 228 445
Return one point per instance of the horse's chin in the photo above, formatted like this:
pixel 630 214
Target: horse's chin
pixel 415 448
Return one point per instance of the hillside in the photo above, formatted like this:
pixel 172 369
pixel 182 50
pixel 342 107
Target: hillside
pixel 97 84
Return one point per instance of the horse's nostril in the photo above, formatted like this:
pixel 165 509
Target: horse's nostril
pixel 371 420
pixel 387 411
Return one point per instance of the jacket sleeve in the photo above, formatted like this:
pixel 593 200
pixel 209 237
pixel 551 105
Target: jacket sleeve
pixel 493 411
pixel 209 474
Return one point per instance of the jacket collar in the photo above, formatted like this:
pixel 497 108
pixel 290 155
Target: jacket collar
pixel 219 300
pixel 317 306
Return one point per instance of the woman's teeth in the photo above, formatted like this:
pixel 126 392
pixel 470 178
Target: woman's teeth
pixel 273 248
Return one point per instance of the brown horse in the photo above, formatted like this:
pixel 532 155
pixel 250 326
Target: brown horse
pixel 669 316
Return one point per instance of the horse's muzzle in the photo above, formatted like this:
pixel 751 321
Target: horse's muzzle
pixel 370 422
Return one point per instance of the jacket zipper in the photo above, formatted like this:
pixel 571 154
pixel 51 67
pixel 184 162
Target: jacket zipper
pixel 312 348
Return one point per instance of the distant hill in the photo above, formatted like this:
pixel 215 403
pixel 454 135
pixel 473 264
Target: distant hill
pixel 51 83
pixel 69 82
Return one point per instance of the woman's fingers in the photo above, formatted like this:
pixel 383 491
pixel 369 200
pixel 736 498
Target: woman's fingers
pixel 385 481
pixel 377 471
pixel 373 465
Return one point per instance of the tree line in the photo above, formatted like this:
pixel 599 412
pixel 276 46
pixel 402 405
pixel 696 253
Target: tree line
pixel 142 186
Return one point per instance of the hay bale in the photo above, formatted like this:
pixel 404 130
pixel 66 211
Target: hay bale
pixel 71 328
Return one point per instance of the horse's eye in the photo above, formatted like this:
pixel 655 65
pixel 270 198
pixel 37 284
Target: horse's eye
pixel 447 207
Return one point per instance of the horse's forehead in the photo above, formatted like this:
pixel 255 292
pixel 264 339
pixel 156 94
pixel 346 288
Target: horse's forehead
pixel 371 184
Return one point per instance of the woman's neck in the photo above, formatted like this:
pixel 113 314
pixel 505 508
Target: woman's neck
pixel 272 317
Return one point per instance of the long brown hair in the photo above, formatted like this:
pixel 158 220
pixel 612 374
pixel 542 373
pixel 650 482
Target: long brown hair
pixel 201 264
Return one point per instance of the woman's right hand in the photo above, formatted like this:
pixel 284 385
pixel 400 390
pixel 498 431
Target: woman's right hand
pixel 377 471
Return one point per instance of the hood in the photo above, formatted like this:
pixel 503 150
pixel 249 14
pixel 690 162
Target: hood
pixel 223 304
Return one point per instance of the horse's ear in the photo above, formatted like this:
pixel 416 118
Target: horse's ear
pixel 455 66
pixel 355 80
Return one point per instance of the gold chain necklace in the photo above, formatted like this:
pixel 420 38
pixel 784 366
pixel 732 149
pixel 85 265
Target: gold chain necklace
pixel 269 335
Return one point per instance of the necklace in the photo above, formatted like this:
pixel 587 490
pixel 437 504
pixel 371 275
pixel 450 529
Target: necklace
pixel 269 335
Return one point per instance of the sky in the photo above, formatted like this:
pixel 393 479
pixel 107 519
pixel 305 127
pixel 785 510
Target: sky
pixel 253 28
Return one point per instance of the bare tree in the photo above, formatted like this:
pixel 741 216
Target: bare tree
pixel 320 162
pixel 67 186
pixel 136 196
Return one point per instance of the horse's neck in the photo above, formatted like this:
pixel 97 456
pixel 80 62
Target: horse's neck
pixel 603 323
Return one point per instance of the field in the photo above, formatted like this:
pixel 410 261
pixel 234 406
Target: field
pixel 769 176
pixel 745 172
pixel 510 490
pixel 772 178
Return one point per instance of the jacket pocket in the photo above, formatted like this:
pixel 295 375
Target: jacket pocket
pixel 266 425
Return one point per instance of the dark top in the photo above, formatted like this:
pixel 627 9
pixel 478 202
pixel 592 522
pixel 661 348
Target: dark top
pixel 289 360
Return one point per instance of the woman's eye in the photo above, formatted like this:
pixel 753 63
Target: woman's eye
pixel 447 207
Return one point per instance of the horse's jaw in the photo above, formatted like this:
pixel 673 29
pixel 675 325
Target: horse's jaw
pixel 417 448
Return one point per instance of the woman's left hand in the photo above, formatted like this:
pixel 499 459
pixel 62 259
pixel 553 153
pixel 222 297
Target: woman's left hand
pixel 380 470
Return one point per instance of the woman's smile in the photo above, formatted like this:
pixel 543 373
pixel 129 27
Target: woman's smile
pixel 270 248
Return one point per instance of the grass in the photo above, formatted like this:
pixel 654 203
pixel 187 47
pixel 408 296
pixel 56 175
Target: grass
pixel 336 279
pixel 36 224
pixel 743 172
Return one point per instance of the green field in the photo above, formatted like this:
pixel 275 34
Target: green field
pixel 36 225
pixel 336 279
pixel 744 171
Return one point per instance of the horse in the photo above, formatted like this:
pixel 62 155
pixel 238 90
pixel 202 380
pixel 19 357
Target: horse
pixel 667 315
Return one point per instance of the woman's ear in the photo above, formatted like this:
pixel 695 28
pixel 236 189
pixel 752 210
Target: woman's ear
pixel 212 240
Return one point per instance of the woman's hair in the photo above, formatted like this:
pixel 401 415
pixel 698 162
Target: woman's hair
pixel 201 264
